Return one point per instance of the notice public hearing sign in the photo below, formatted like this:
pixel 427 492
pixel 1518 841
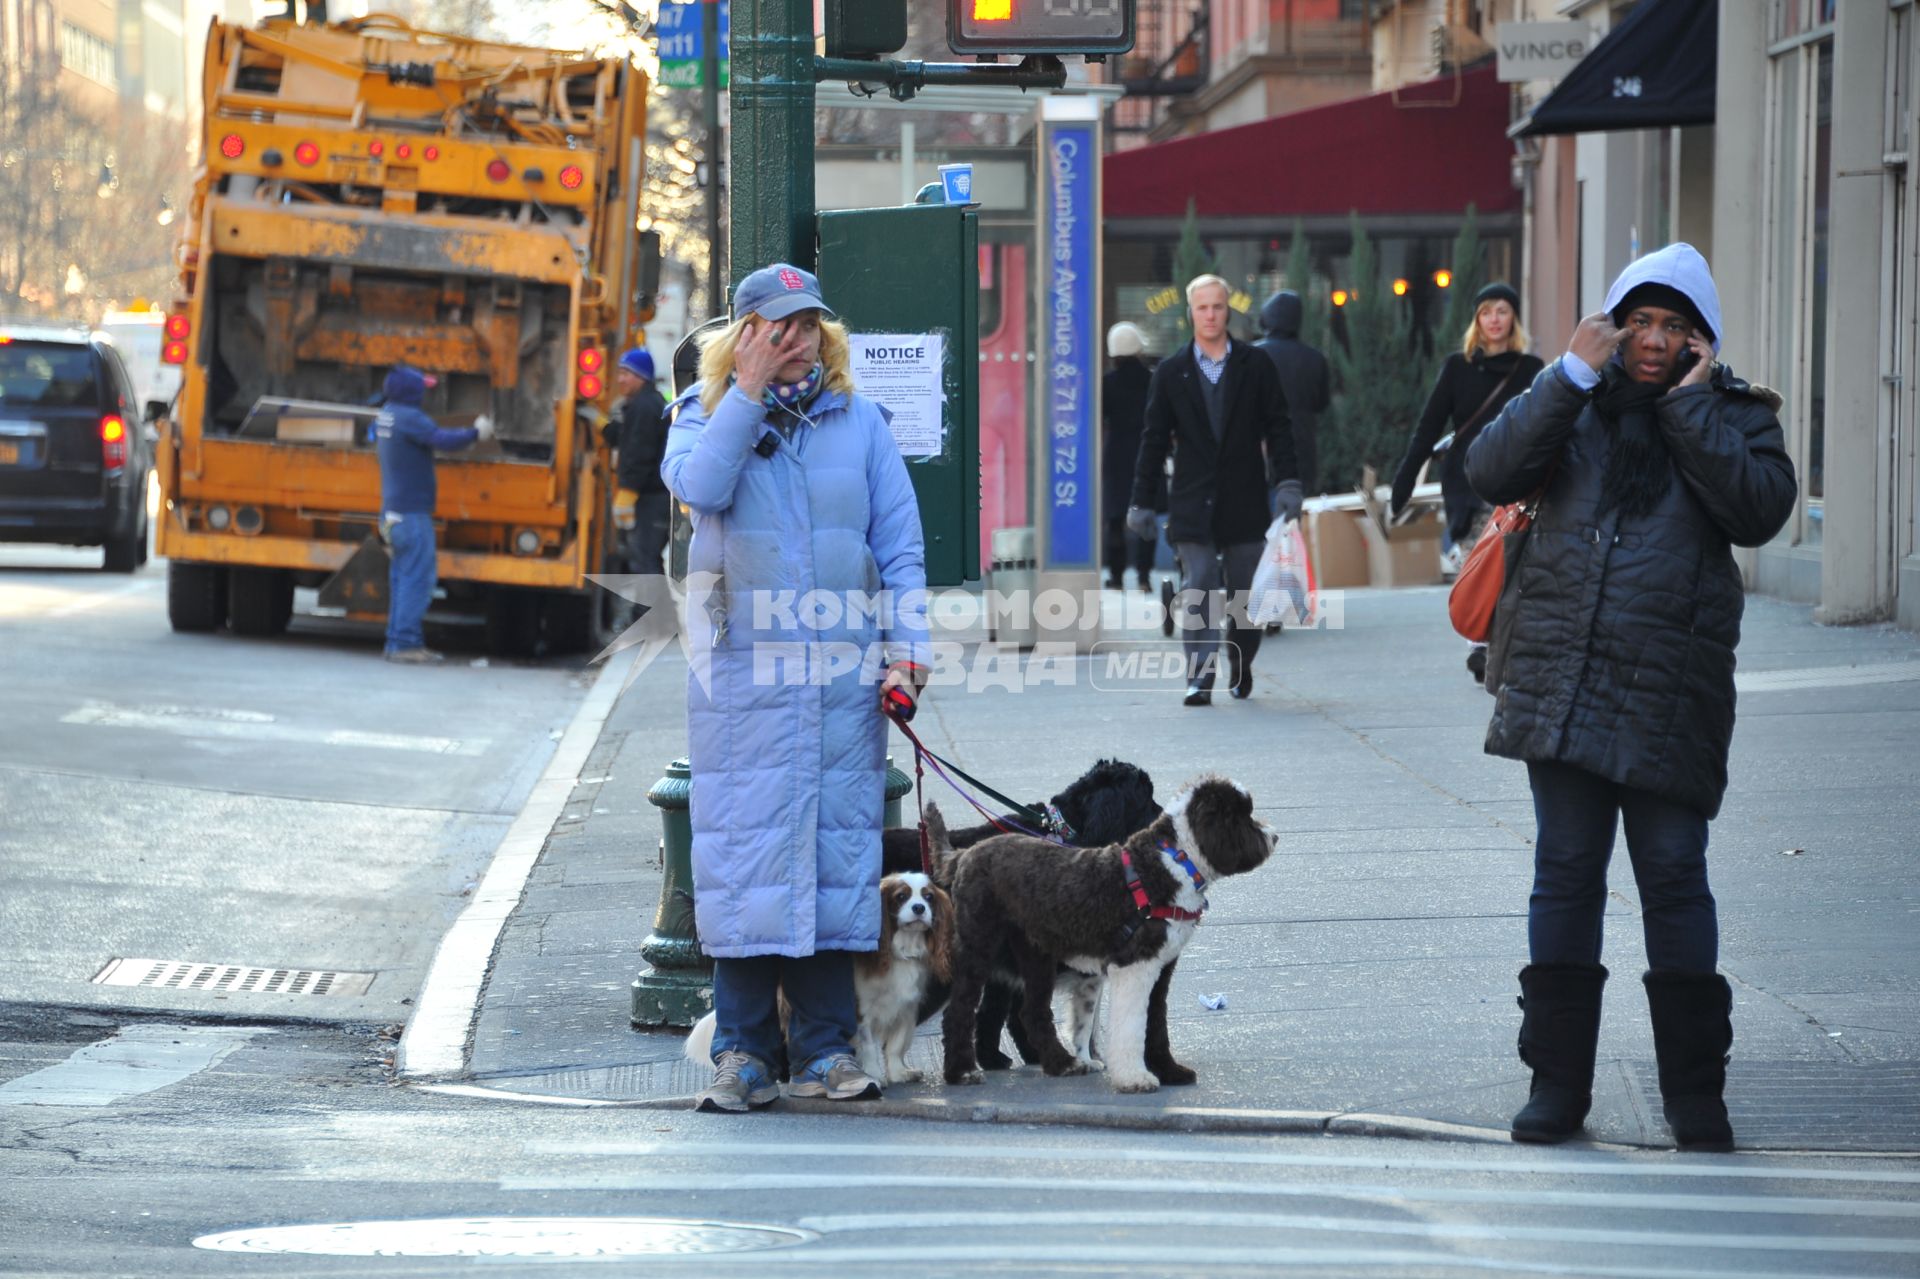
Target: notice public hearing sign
pixel 1540 50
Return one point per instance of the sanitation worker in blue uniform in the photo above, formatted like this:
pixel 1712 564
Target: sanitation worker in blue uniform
pixel 407 439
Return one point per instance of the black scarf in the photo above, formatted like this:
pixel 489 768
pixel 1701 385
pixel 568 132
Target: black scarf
pixel 1639 468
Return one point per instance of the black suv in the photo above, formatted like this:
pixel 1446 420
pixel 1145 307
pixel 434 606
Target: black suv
pixel 74 449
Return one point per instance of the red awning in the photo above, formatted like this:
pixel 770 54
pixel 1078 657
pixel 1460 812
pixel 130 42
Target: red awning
pixel 1366 154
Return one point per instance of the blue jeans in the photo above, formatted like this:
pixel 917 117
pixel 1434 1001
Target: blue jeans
pixel 410 581
pixel 1577 813
pixel 747 1015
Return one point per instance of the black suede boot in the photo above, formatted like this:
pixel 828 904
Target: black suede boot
pixel 1559 1033
pixel 1692 1031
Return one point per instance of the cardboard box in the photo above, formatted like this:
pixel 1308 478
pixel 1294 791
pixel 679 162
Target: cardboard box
pixel 337 431
pixel 1410 556
pixel 1336 549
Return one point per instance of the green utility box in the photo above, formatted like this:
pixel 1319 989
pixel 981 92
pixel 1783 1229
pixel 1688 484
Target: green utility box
pixel 906 283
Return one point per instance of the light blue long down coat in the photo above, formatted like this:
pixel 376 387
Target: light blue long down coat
pixel 788 751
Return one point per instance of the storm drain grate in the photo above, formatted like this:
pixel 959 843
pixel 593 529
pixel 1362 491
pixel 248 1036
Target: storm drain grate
pixel 186 974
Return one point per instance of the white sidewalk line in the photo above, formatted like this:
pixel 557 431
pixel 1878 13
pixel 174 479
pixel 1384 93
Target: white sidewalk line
pixel 435 1041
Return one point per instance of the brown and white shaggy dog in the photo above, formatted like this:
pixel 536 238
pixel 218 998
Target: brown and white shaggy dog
pixel 892 985
pixel 1074 906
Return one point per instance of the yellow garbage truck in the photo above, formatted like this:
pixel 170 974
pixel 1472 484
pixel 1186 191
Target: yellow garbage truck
pixel 373 195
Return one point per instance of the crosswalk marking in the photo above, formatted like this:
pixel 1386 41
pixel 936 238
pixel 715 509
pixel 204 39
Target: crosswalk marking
pixel 1596 1166
pixel 138 1059
pixel 815 1180
pixel 259 727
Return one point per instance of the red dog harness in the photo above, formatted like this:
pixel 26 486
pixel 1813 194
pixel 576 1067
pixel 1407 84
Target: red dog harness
pixel 1145 904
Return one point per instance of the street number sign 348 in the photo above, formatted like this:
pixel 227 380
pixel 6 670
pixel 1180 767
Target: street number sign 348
pixel 1095 27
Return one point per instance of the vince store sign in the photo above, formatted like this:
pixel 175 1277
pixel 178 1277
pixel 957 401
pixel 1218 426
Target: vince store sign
pixel 1540 50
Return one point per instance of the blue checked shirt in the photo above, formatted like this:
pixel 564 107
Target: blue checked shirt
pixel 1209 368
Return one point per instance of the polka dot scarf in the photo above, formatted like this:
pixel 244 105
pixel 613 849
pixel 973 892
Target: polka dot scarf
pixel 793 395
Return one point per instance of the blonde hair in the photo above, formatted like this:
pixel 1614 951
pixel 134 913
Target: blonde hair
pixel 1517 339
pixel 716 360
pixel 1199 282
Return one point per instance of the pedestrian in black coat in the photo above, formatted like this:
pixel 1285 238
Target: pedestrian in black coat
pixel 1475 383
pixel 1123 416
pixel 1304 378
pixel 1612 668
pixel 641 506
pixel 1216 403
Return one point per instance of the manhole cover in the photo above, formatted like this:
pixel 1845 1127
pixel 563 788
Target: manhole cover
pixel 508 1237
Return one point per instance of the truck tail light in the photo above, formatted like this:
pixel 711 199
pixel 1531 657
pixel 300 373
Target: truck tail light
pixel 404 151
pixel 113 442
pixel 376 148
pixel 499 170
pixel 233 146
pixel 306 154
pixel 430 154
pixel 571 176
pixel 590 386
pixel 590 359
pixel 174 349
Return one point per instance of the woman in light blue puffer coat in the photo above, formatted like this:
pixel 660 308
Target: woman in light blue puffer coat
pixel 806 605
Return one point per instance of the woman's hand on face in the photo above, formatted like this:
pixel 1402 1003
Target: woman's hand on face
pixel 763 347
pixel 1702 352
pixel 1595 340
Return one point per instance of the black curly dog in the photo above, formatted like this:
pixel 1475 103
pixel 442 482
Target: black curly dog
pixel 1109 802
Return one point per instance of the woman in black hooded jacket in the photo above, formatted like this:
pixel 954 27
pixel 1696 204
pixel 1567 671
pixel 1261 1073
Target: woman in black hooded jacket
pixel 1491 367
pixel 1612 669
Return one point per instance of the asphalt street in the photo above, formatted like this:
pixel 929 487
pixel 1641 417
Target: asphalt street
pixel 301 806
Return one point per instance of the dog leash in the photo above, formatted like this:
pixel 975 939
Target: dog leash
pixel 940 768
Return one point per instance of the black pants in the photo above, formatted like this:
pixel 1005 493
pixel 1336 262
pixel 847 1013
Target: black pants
pixel 647 539
pixel 1124 550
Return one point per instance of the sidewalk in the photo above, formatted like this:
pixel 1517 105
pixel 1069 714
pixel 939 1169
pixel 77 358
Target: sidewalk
pixel 1369 968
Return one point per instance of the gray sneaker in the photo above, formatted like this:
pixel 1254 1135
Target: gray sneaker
pixel 741 1082
pixel 415 656
pixel 835 1076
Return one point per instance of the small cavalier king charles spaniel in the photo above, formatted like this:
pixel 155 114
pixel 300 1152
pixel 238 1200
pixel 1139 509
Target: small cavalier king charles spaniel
pixel 894 987
pixel 1125 911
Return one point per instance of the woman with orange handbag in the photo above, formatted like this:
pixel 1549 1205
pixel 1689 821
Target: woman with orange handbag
pixel 1475 383
pixel 1612 669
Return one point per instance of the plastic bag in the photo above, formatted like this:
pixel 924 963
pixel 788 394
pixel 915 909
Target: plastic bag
pixel 1282 589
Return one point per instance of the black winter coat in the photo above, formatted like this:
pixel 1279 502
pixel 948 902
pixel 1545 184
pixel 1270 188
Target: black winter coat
pixel 1219 489
pixel 1459 403
pixel 1123 412
pixel 639 432
pixel 1304 379
pixel 1616 655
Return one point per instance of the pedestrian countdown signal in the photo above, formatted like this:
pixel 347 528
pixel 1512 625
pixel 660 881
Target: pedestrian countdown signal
pixel 1092 27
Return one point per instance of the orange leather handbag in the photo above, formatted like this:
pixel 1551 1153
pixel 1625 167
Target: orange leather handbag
pixel 1483 577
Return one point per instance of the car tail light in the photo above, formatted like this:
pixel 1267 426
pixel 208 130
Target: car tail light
pixel 430 154
pixel 499 170
pixel 591 359
pixel 307 154
pixel 590 386
pixel 376 148
pixel 572 176
pixel 113 442
pixel 233 146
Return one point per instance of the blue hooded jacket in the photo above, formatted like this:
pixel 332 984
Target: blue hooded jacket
pixel 406 438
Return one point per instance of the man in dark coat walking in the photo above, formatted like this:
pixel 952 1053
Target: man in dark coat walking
pixel 1217 404
pixel 1123 415
pixel 640 503
pixel 1304 378
pixel 1612 665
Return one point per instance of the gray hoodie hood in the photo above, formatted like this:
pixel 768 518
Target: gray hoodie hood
pixel 1280 317
pixel 1678 266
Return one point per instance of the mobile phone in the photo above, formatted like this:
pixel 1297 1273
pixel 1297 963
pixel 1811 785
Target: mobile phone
pixel 1688 358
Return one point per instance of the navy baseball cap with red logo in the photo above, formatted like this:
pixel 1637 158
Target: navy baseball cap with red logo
pixel 778 291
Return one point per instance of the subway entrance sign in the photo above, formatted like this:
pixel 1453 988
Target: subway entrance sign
pixel 906 283
pixel 1094 28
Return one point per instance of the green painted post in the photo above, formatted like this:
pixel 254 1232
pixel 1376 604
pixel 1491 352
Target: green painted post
pixel 676 988
pixel 898 784
pixel 771 217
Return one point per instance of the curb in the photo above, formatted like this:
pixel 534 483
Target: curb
pixel 435 1042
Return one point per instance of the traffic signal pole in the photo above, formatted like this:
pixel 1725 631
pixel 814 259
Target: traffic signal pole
pixel 771 79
